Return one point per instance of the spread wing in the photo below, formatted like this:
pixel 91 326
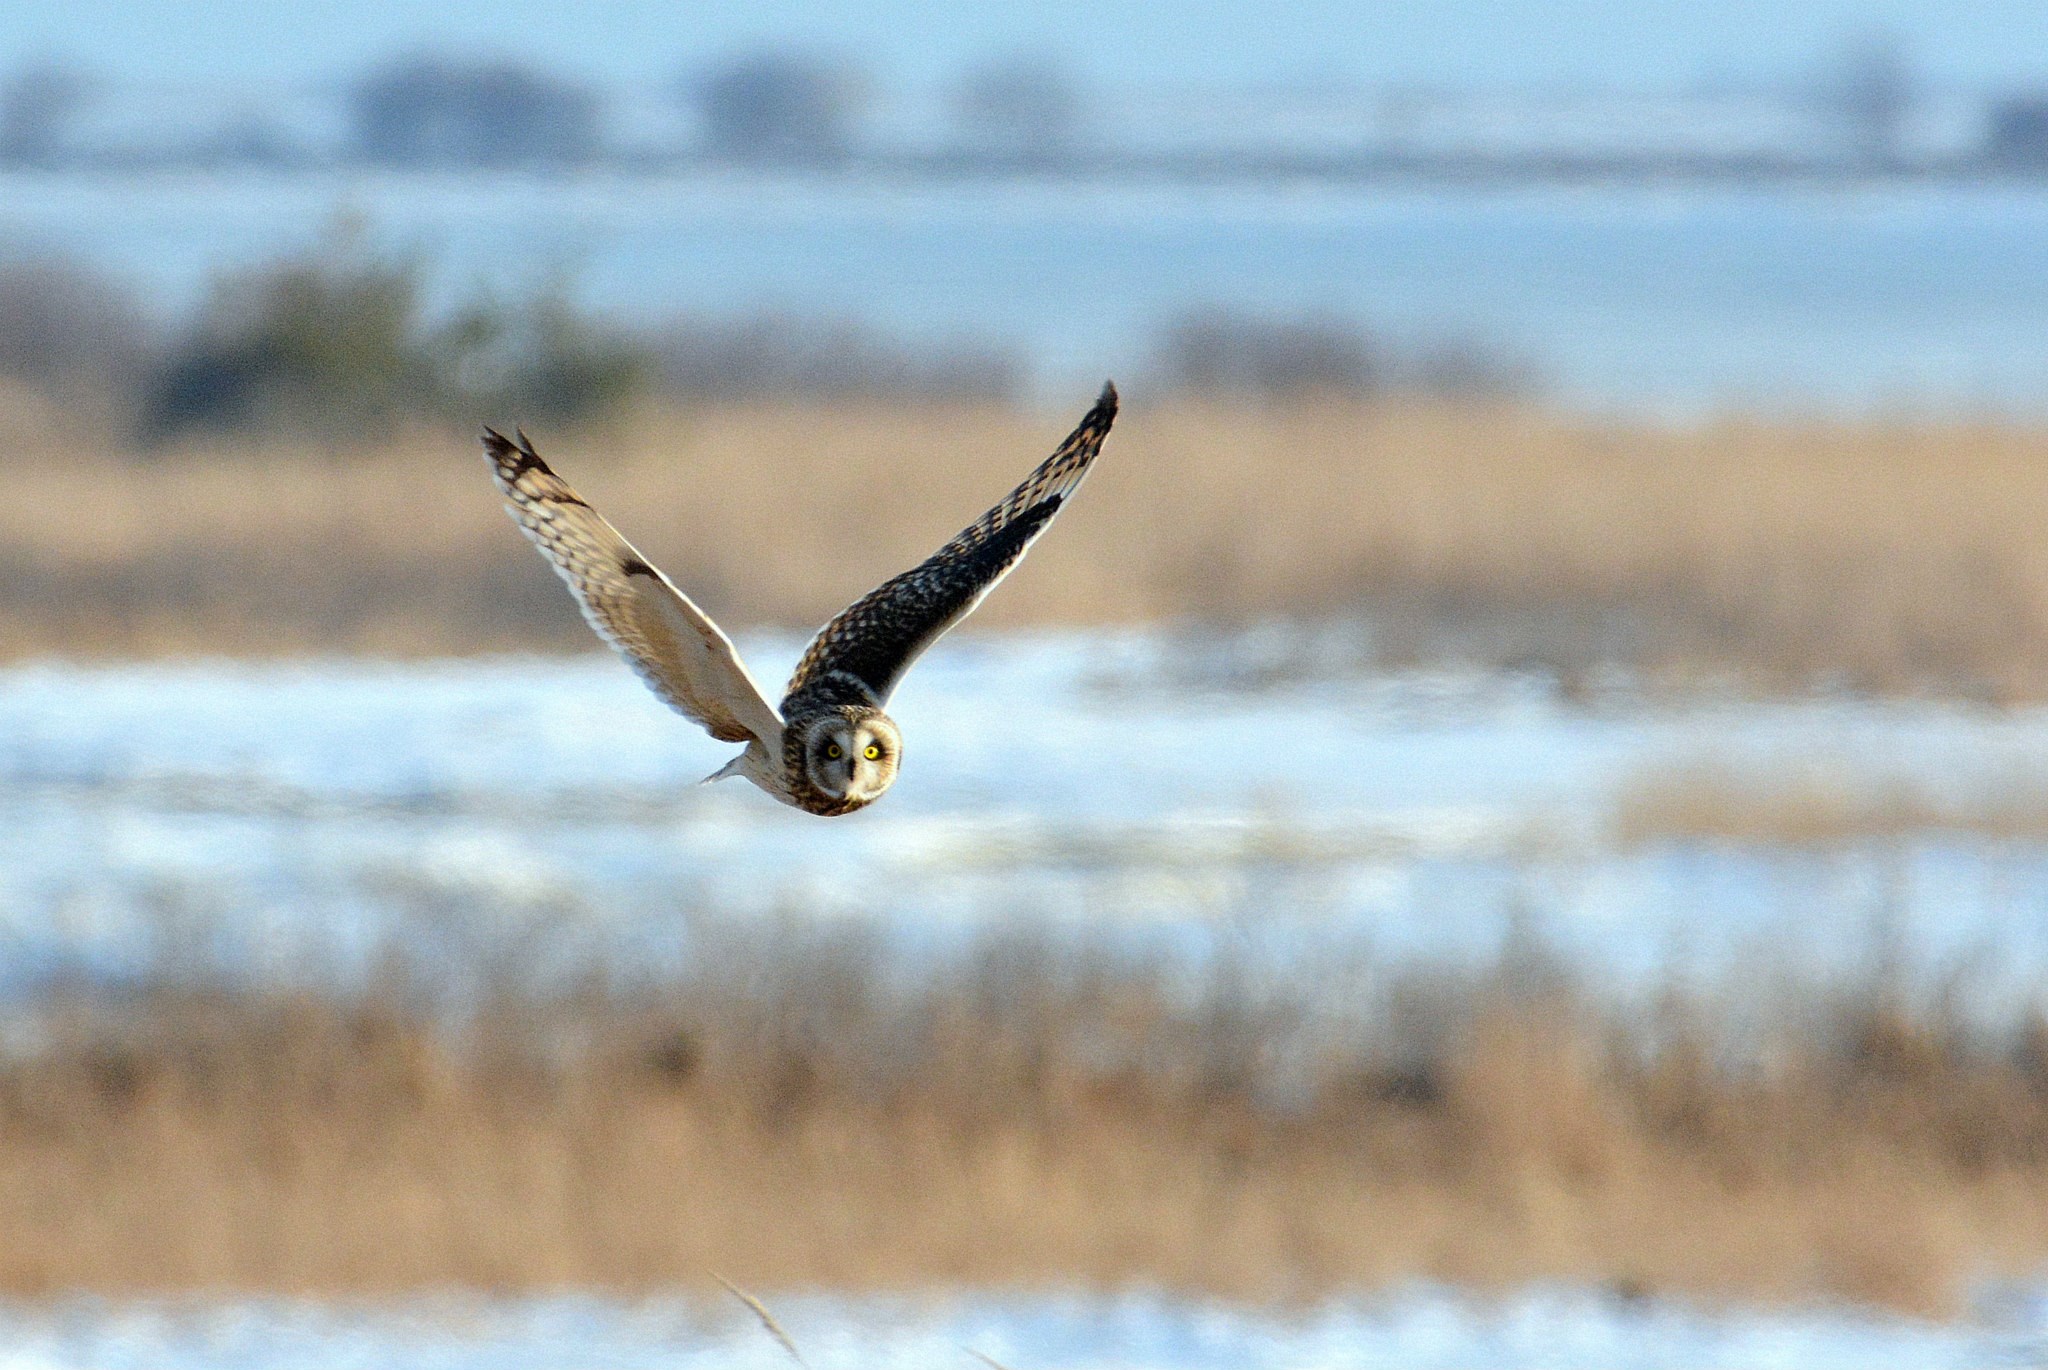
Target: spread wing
pixel 666 639
pixel 877 638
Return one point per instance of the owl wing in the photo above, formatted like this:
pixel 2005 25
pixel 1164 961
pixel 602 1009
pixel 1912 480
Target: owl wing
pixel 668 641
pixel 875 639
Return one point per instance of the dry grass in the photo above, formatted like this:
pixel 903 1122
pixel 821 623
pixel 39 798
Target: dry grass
pixel 1816 806
pixel 792 1116
pixel 1883 554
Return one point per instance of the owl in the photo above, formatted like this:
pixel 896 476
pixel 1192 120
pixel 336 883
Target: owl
pixel 830 748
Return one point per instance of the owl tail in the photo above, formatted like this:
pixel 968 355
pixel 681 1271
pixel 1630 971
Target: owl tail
pixel 736 766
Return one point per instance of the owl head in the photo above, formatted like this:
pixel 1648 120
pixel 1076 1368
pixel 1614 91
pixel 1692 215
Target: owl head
pixel 851 753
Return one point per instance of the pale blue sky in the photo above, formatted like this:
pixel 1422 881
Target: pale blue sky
pixel 1985 42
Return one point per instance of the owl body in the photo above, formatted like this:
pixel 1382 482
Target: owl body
pixel 830 748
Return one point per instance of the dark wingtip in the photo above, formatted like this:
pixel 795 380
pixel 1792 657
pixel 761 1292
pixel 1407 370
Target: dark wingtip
pixel 512 458
pixel 1095 423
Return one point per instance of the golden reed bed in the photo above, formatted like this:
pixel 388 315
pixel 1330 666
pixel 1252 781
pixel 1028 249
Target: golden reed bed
pixel 1881 554
pixel 1031 1115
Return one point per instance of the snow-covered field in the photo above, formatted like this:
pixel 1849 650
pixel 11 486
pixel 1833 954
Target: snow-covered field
pixel 292 815
pixel 284 819
pixel 1416 1330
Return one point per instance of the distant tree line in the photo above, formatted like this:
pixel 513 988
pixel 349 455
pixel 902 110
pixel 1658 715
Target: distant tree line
pixel 346 341
pixel 437 112
pixel 782 107
pixel 38 107
pixel 431 110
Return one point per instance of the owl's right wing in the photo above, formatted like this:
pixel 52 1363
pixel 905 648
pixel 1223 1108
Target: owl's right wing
pixel 669 642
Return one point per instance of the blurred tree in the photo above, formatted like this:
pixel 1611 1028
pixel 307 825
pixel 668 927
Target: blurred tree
pixel 540 359
pixel 341 342
pixel 1458 368
pixel 38 106
pixel 250 139
pixel 747 357
pixel 778 107
pixel 2018 134
pixel 69 331
pixel 331 343
pixel 1020 106
pixel 1869 92
pixel 431 112
pixel 1216 353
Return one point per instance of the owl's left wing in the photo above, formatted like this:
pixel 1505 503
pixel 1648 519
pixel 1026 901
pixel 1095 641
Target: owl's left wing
pixel 875 639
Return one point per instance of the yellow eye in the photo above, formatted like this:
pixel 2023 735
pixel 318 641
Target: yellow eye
pixel 873 753
pixel 833 751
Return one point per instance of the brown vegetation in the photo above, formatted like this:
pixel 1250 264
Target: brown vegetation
pixel 1817 806
pixel 794 1113
pixel 1882 554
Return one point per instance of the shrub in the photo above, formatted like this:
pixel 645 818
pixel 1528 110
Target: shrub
pixel 70 332
pixel 785 356
pixel 342 341
pixel 1214 352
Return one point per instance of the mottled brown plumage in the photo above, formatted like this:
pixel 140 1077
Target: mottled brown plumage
pixel 830 749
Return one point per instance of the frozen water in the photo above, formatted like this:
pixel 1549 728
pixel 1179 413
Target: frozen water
pixel 292 814
pixel 1416 1330
pixel 281 817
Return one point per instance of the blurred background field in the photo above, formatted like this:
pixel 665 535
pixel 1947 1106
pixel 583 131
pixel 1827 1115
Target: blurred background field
pixel 1508 825
pixel 1871 553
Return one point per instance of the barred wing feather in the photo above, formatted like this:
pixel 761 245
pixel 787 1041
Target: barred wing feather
pixel 876 639
pixel 667 640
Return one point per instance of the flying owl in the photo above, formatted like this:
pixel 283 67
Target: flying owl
pixel 830 748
